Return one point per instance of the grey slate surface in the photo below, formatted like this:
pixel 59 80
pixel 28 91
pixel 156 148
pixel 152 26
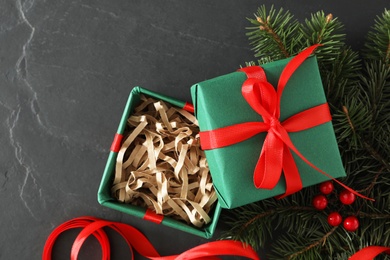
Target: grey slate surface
pixel 66 68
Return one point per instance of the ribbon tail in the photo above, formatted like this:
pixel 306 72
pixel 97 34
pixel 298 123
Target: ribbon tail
pixel 269 166
pixel 291 174
pixel 290 68
pixel 286 139
pixel 229 135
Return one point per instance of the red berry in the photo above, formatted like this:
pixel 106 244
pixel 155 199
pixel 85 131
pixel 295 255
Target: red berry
pixel 334 219
pixel 351 223
pixel 320 202
pixel 326 187
pixel 347 197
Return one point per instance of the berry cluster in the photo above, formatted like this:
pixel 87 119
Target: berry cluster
pixel 320 202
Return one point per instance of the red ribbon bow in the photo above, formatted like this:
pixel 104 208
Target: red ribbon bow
pixel 276 154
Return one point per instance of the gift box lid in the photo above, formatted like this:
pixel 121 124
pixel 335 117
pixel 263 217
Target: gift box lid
pixel 219 103
pixel 104 195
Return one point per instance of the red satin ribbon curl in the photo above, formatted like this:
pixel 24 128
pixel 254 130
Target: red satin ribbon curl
pixel 370 252
pixel 135 239
pixel 275 155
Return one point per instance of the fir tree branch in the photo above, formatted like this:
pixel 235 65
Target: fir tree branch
pixel 375 154
pixel 265 26
pixel 316 243
pixel 320 35
pixel 377 46
pixel 345 110
pixel 272 212
pixel 252 220
pixel 328 19
pixel 370 215
pixel 275 35
pixel 327 31
pixel 372 184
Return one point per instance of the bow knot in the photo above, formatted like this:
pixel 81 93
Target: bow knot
pixel 275 155
pixel 274 123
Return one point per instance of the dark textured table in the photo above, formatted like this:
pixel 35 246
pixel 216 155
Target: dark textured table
pixel 66 69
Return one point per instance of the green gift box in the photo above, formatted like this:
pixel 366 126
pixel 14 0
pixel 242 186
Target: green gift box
pixel 104 192
pixel 219 103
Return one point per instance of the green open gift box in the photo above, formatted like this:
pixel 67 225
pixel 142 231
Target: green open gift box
pixel 104 194
pixel 219 103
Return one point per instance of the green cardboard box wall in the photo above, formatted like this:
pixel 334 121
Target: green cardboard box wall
pixel 104 192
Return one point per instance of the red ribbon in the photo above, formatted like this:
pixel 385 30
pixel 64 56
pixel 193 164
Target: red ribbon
pixel 189 107
pixel 275 155
pixel 134 238
pixel 370 252
pixel 94 226
pixel 150 215
pixel 116 143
